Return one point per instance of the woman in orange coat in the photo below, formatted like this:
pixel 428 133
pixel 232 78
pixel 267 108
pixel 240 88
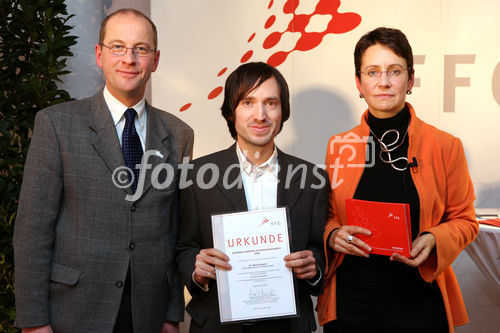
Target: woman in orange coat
pixel 414 163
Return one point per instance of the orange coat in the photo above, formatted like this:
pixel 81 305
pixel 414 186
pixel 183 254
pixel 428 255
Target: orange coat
pixel 446 199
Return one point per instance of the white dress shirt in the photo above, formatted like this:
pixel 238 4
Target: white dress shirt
pixel 118 109
pixel 260 182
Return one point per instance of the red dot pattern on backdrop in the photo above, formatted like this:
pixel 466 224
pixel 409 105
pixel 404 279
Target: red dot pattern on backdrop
pixel 338 24
pixel 222 71
pixel 246 56
pixel 214 93
pixel 270 21
pixel 185 107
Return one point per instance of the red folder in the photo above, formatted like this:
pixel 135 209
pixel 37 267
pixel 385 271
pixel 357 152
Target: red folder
pixel 389 223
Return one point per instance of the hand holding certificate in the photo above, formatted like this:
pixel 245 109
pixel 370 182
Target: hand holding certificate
pixel 259 285
pixel 205 264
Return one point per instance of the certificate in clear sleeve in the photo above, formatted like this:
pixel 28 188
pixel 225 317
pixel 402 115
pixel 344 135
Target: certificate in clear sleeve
pixel 259 285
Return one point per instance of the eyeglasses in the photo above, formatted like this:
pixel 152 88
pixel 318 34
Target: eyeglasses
pixel 120 50
pixel 392 73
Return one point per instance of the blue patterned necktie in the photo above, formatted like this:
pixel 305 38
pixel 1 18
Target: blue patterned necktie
pixel 131 146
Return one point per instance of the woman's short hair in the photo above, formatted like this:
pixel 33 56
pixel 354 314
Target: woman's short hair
pixel 388 37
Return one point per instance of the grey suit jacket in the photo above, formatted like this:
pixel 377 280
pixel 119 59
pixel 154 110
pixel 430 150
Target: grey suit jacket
pixel 307 206
pixel 75 234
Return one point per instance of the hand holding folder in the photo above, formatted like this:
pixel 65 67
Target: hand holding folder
pixel 346 240
pixel 389 223
pixel 421 249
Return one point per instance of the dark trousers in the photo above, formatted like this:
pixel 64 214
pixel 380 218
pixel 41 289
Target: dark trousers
pixel 268 326
pixel 428 316
pixel 124 320
pixel 263 326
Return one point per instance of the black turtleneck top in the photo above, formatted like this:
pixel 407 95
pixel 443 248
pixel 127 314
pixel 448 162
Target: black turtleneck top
pixel 376 279
pixel 384 183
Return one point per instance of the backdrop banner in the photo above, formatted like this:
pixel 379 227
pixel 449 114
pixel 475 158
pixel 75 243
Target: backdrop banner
pixel 457 68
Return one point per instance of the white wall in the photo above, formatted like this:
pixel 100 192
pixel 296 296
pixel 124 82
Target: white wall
pixel 85 78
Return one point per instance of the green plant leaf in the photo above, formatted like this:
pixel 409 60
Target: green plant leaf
pixel 35 40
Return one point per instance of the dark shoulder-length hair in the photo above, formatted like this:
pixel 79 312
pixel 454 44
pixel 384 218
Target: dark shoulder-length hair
pixel 391 38
pixel 245 79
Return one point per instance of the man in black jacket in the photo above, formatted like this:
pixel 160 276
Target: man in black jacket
pixel 256 104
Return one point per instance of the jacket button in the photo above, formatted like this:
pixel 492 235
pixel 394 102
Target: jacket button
pixel 119 284
pixel 132 208
pixel 131 247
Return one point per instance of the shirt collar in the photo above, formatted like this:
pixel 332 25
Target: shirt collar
pixel 252 170
pixel 118 109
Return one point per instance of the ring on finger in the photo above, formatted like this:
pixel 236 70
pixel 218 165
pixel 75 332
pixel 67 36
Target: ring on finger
pixel 349 239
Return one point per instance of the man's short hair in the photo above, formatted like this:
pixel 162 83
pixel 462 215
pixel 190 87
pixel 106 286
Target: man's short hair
pixel 245 79
pixel 104 22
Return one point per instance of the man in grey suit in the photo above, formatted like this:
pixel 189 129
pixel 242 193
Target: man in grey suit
pixel 256 104
pixel 90 256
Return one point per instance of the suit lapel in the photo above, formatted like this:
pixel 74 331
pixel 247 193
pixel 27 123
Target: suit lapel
pixel 157 138
pixel 235 194
pixel 104 137
pixel 288 189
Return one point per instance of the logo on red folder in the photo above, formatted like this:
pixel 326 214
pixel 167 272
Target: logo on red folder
pixel 393 217
pixel 388 222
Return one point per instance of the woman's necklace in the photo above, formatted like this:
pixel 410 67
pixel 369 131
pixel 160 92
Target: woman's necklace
pixel 388 148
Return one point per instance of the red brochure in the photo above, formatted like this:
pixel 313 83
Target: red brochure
pixel 389 223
